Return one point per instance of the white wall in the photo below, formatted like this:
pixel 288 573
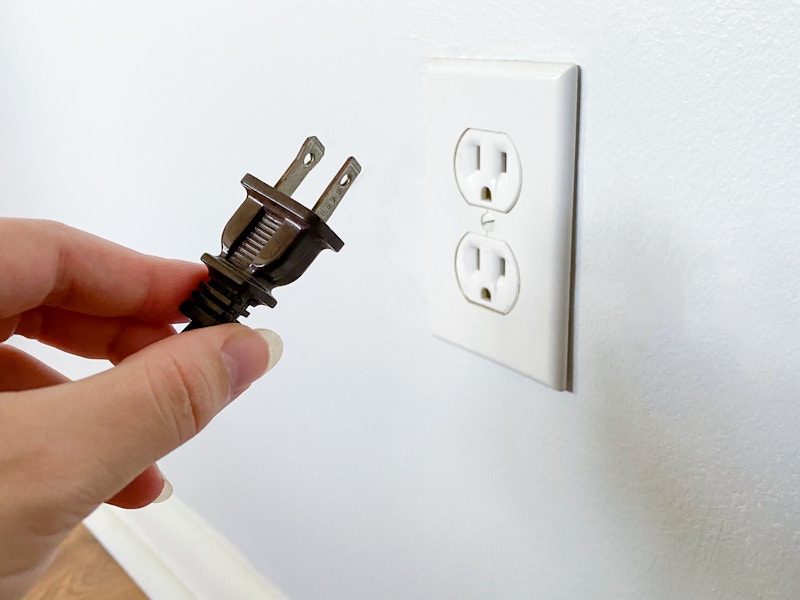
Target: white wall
pixel 376 461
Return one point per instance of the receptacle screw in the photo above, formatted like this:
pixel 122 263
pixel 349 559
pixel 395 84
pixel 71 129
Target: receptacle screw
pixel 487 222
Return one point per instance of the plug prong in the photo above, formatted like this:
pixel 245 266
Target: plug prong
pixel 311 152
pixel 337 188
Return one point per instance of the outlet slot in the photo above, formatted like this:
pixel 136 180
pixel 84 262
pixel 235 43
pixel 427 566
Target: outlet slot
pixel 488 170
pixel 487 272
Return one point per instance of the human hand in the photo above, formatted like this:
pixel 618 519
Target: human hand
pixel 66 447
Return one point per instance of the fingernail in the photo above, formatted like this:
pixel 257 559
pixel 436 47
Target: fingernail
pixel 166 491
pixel 275 344
pixel 246 358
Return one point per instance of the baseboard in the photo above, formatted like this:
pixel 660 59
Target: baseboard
pixel 173 554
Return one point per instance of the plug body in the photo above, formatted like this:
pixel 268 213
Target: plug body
pixel 269 241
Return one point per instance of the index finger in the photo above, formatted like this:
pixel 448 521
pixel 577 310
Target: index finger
pixel 49 264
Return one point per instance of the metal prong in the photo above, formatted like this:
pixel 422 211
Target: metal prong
pixel 310 154
pixel 334 193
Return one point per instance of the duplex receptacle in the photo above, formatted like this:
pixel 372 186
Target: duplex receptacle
pixel 501 169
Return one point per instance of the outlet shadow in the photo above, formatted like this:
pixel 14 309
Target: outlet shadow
pixel 570 386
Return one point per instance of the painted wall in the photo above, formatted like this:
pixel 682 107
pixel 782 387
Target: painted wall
pixel 376 461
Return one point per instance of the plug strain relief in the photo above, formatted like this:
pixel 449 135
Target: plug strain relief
pixel 217 301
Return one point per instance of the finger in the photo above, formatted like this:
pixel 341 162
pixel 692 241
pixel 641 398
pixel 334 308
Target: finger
pixel 84 273
pixel 90 336
pixel 20 371
pixel 148 487
pixel 105 430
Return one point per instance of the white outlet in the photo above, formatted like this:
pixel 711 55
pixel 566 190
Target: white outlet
pixel 487 272
pixel 487 169
pixel 501 170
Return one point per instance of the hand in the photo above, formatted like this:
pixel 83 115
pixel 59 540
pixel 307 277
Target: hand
pixel 66 447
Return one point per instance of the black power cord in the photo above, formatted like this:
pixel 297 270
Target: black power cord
pixel 269 241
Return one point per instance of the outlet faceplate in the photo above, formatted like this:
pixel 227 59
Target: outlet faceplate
pixel 501 170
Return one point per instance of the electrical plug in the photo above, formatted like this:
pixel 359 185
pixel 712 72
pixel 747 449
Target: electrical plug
pixel 268 242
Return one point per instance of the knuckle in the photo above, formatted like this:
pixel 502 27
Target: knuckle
pixel 187 395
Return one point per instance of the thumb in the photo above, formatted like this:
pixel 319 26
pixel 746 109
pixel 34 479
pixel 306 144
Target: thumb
pixel 117 423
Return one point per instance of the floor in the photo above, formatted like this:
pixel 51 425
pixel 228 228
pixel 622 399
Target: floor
pixel 83 570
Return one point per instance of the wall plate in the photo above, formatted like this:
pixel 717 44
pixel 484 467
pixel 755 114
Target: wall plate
pixel 501 166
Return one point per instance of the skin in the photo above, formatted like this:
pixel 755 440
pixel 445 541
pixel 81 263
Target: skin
pixel 67 447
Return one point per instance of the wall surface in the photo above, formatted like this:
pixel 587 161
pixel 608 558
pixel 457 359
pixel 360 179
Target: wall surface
pixel 377 461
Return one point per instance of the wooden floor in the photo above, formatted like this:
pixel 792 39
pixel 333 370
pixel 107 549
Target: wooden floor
pixel 83 570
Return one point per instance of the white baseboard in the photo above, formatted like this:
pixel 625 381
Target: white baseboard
pixel 173 554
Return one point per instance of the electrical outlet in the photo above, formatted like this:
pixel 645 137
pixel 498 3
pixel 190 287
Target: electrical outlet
pixel 488 172
pixel 487 272
pixel 501 170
